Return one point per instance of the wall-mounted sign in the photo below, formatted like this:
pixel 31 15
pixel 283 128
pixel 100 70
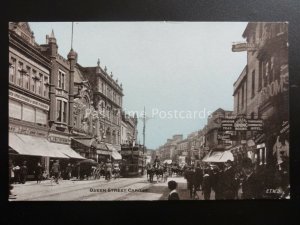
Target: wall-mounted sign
pixel 56 139
pixel 27 131
pixel 274 88
pixel 241 47
pixel 224 136
pixel 30 101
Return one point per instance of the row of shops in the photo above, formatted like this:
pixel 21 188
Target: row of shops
pixel 34 149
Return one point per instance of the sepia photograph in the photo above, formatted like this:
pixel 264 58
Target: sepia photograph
pixel 148 111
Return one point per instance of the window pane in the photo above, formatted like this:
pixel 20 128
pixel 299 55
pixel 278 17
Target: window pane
pixel 12 70
pixel 28 113
pixel 19 76
pixel 41 116
pixel 65 112
pixel 15 109
pixel 58 114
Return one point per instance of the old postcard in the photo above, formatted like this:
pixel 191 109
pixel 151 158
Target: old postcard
pixel 113 111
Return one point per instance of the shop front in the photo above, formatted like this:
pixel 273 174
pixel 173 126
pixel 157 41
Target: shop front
pixel 31 150
pixel 103 153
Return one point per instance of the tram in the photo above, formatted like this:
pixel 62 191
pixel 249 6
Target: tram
pixel 133 161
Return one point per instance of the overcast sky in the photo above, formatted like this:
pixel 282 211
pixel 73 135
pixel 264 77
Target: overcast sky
pixel 186 68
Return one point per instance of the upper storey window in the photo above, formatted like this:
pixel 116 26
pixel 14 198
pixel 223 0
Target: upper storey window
pixel 61 79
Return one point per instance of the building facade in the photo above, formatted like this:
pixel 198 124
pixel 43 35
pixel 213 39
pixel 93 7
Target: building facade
pixel 266 90
pixel 33 92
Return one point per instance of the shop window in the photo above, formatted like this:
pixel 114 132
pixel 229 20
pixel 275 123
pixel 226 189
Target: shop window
pixel 15 109
pixel 12 70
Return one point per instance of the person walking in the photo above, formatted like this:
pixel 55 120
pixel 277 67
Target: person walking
pixel 206 184
pixel 198 178
pixel 173 195
pixel 38 172
pixel 23 172
pixel 252 185
pixel 108 170
pixel 56 170
pixel 11 176
pixel 69 169
pixel 228 181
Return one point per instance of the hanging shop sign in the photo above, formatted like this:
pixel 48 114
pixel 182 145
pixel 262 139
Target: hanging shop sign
pixel 285 127
pixel 242 124
pixel 224 137
pixel 242 46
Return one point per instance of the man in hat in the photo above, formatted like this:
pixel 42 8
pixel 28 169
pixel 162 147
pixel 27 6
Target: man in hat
pixel 252 187
pixel 108 167
pixel 56 170
pixel 23 172
pixel 173 195
pixel 229 184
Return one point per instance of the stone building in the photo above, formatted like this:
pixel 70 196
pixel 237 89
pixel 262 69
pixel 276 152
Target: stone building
pixel 265 82
pixel 39 99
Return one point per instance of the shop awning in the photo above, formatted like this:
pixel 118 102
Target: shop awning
pixel 218 156
pixel 110 147
pixel 88 142
pixel 34 146
pixel 116 155
pixel 67 150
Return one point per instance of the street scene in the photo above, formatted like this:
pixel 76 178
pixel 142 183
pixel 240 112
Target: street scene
pixel 191 111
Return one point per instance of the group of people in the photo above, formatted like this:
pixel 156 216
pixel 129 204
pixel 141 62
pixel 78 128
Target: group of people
pixel 229 181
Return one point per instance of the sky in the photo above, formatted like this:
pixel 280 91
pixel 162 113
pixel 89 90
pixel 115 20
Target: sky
pixel 179 71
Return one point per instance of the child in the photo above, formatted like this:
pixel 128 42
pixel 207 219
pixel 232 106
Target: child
pixel 172 185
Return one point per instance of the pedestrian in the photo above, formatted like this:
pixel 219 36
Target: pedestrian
pixel 190 177
pixel 198 178
pixel 11 176
pixel 228 181
pixel 108 167
pixel 206 184
pixel 173 195
pixel 69 171
pixel 39 172
pixel 56 170
pixel 23 172
pixel 17 174
pixel 252 185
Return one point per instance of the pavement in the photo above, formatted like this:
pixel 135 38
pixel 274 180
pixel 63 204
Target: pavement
pixel 120 189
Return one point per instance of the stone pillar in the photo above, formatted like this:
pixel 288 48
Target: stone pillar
pixel 72 57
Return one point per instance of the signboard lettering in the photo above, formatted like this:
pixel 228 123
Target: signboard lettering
pixel 28 100
pixel 240 47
